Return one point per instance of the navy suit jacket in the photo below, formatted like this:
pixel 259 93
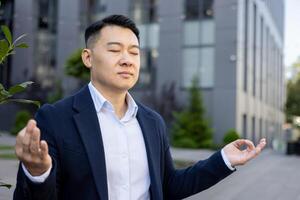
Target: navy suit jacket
pixel 72 131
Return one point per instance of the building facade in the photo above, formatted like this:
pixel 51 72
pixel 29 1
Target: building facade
pixel 233 47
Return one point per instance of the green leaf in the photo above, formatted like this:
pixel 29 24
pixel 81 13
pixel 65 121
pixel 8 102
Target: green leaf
pixel 1 87
pixel 19 88
pixel 7 33
pixel 19 38
pixel 37 103
pixel 5 185
pixel 22 45
pixel 4 93
pixel 4 48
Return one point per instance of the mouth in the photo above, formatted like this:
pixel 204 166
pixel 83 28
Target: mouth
pixel 125 74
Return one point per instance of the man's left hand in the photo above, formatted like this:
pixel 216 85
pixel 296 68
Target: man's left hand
pixel 236 156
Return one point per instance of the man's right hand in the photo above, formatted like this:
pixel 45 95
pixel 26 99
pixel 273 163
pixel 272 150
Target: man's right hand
pixel 32 152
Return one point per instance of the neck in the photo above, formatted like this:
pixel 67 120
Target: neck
pixel 116 98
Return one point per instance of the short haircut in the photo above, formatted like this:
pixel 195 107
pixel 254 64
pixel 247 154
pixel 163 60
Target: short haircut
pixel 92 32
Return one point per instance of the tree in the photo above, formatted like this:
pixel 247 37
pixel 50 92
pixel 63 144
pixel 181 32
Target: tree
pixel 7 48
pixel 190 129
pixel 75 67
pixel 292 106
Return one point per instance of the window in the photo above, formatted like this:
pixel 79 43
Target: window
pixel 149 35
pixel 261 56
pixel 246 48
pixel 244 126
pixel 45 59
pixel 198 62
pixel 260 128
pixel 198 9
pixel 192 9
pixel 48 15
pixel 144 13
pixel 198 43
pixel 253 129
pixel 199 32
pixel 254 52
pixel 148 61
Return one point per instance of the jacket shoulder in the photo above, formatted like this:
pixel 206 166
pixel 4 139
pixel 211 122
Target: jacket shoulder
pixel 152 113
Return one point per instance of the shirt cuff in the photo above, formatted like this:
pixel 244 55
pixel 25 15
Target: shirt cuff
pixel 37 179
pixel 226 161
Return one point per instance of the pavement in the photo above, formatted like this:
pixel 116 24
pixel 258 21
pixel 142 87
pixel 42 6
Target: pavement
pixel 271 176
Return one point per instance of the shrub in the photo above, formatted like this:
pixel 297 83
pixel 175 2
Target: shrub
pixel 190 129
pixel 230 136
pixel 56 94
pixel 75 67
pixel 22 118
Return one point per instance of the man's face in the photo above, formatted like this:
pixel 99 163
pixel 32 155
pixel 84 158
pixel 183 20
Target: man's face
pixel 114 59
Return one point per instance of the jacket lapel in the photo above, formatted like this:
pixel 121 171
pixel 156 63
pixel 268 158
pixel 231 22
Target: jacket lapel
pixel 88 126
pixel 149 129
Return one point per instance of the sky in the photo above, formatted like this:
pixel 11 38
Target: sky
pixel 292 33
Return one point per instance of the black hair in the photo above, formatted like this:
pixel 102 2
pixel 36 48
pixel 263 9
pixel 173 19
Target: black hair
pixel 118 20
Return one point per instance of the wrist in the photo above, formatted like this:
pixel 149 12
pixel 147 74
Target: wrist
pixel 38 169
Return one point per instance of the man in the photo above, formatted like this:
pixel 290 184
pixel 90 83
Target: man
pixel 101 144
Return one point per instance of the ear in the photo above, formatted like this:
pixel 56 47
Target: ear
pixel 86 57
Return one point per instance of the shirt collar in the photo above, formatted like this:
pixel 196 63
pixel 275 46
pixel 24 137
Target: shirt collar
pixel 100 102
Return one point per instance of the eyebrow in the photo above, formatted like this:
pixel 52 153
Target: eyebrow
pixel 120 44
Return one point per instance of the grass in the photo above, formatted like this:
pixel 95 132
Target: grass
pixel 6 147
pixel 8 152
pixel 9 156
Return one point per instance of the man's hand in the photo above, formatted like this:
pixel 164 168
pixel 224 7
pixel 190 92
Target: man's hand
pixel 32 152
pixel 236 156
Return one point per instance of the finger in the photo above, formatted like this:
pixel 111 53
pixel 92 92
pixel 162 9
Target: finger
pixel 261 145
pixel 248 143
pixel 30 126
pixel 239 142
pixel 35 141
pixel 27 136
pixel 44 149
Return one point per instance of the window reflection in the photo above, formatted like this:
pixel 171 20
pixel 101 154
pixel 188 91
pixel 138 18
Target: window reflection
pixel 144 13
pixel 198 42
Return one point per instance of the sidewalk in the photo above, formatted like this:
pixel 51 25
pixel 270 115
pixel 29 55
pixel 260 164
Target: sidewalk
pixel 271 176
pixel 7 139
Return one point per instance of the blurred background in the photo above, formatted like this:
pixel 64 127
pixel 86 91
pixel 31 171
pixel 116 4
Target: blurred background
pixel 243 56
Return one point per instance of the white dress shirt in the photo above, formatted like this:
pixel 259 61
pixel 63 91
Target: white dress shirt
pixel 125 152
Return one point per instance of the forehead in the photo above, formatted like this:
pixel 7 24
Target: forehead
pixel 113 33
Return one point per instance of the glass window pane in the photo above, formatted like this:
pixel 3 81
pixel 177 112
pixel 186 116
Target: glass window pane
pixel 207 32
pixel 190 65
pixel 207 66
pixel 192 9
pixel 191 33
pixel 153 32
pixel 143 35
pixel 207 8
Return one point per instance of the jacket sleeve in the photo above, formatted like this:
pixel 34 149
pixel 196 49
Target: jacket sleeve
pixel 181 183
pixel 49 189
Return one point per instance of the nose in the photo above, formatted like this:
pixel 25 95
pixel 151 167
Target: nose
pixel 126 60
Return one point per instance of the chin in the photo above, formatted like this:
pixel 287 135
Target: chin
pixel 125 87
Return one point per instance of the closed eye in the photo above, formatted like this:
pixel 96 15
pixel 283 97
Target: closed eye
pixel 114 50
pixel 134 53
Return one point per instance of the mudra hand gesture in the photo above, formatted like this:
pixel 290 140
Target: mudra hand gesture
pixel 32 152
pixel 236 156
